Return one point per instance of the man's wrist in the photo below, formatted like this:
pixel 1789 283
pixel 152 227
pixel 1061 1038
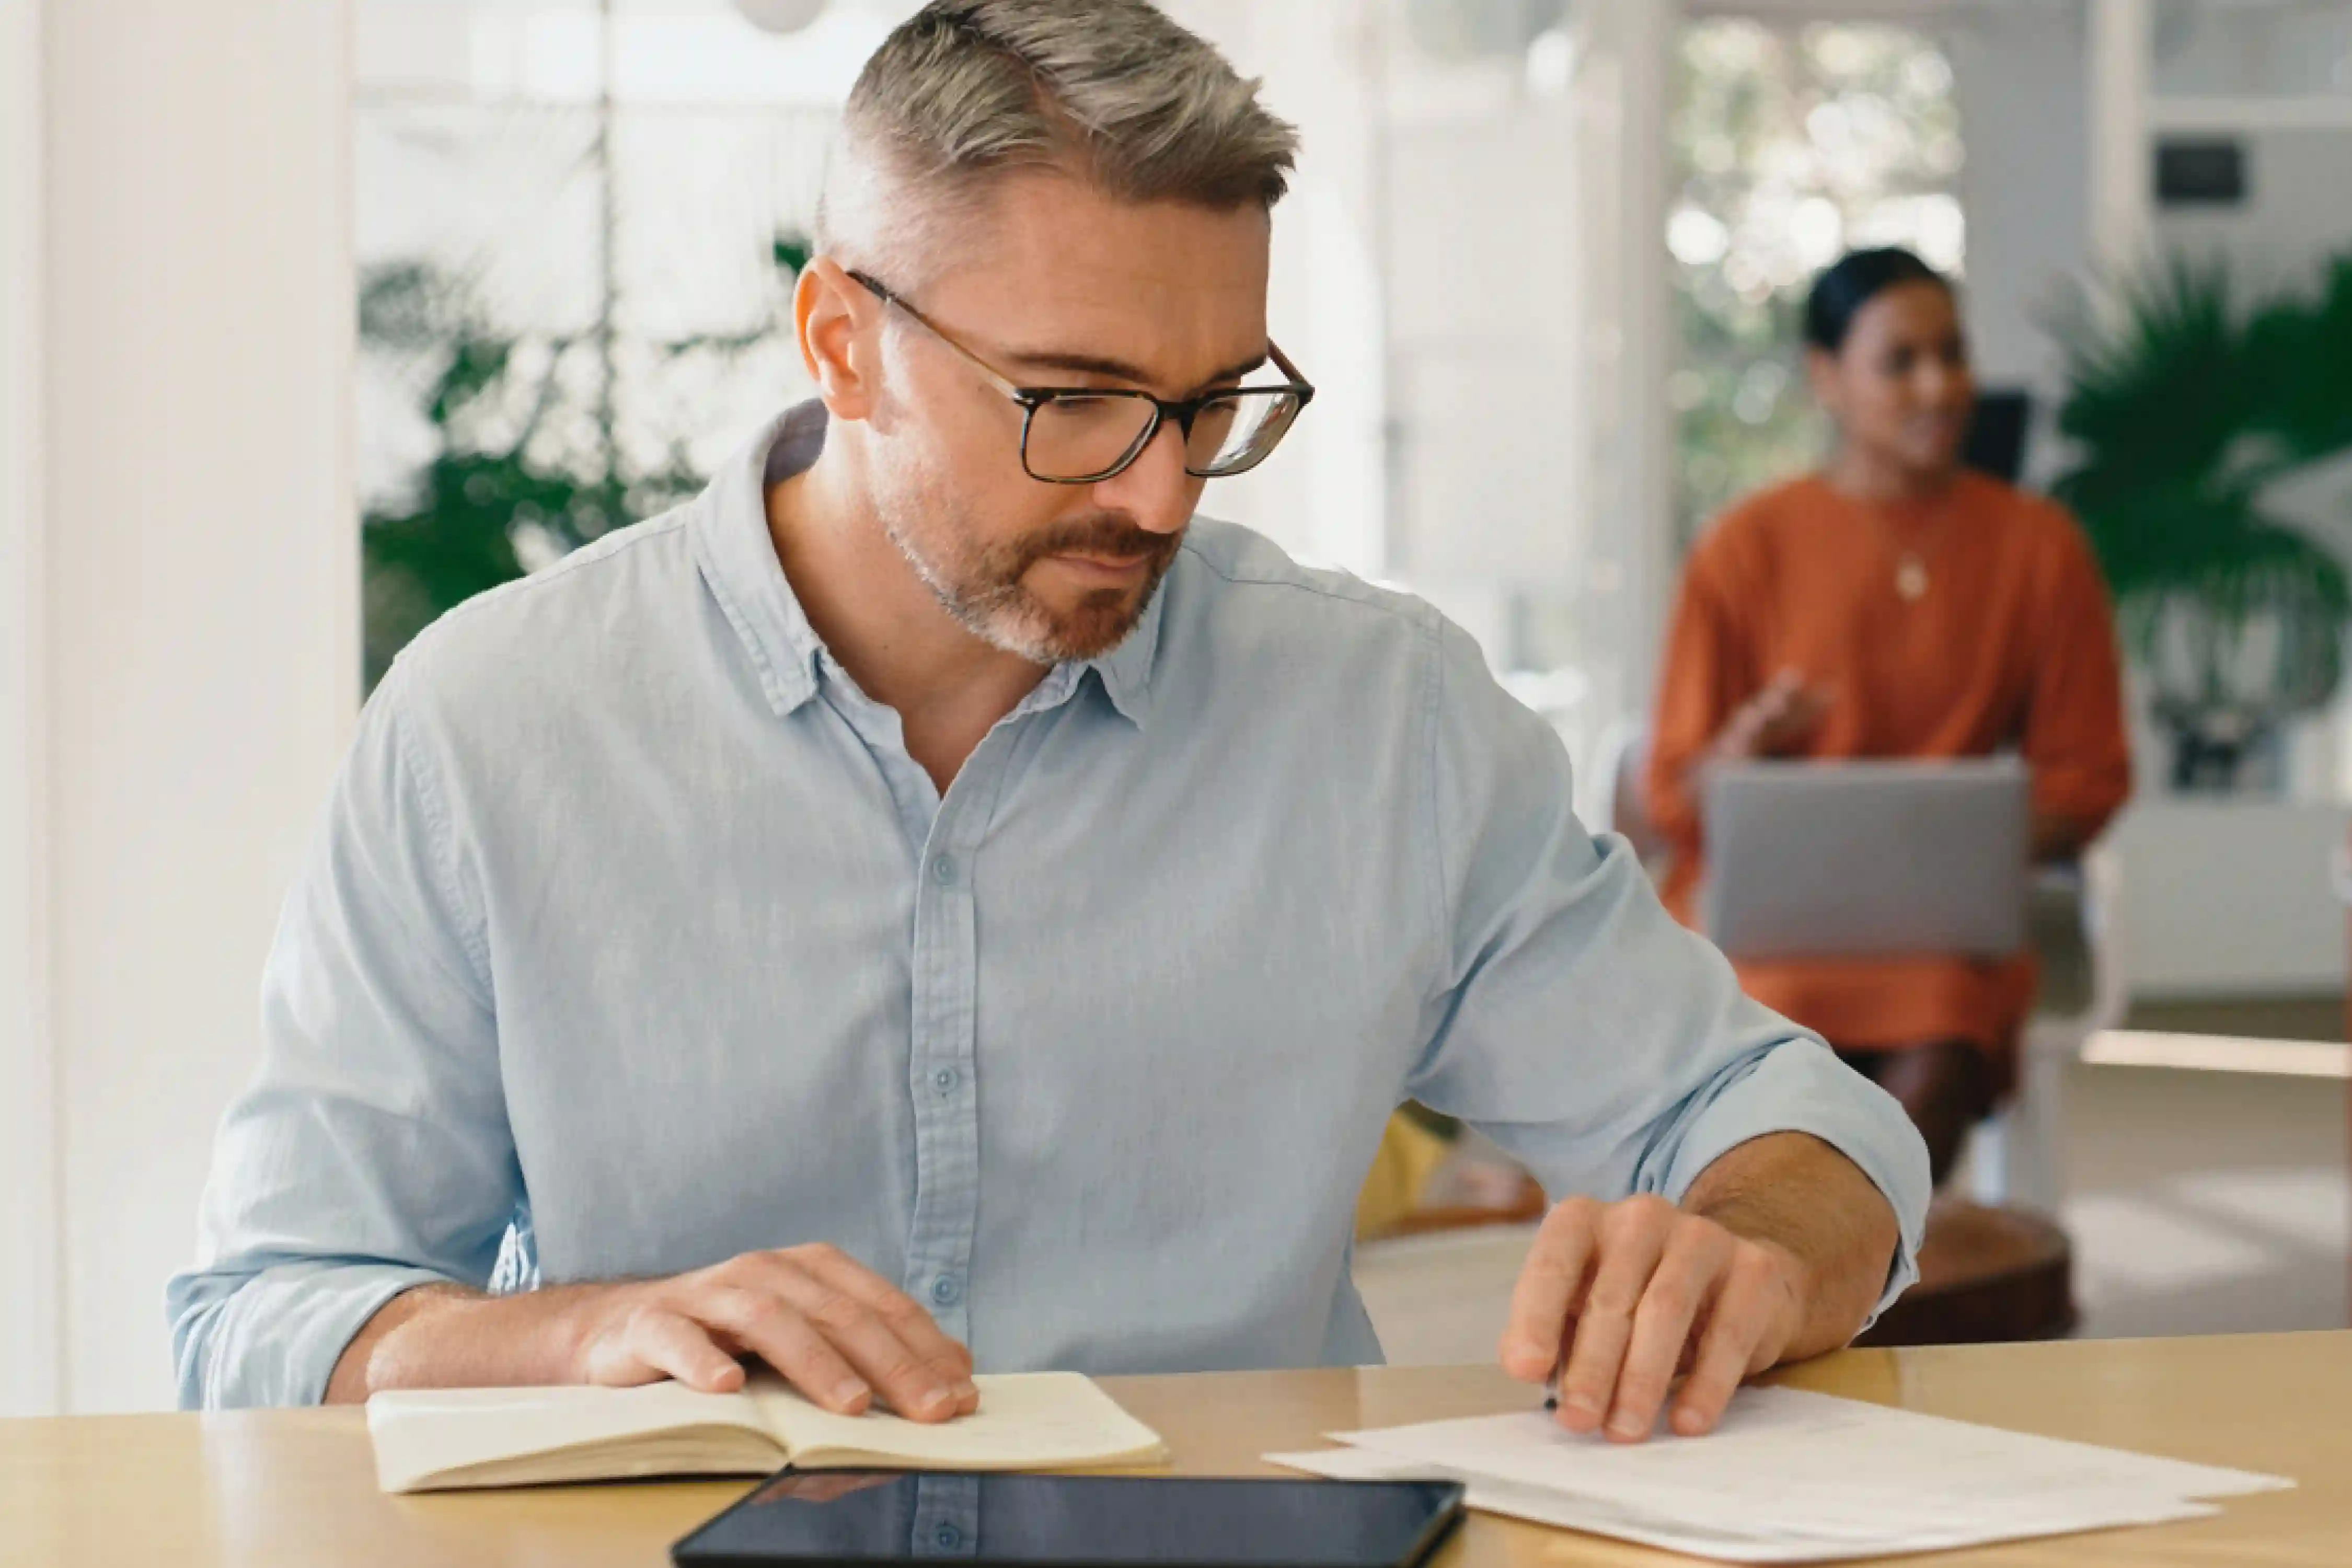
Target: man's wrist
pixel 1819 1214
pixel 447 1336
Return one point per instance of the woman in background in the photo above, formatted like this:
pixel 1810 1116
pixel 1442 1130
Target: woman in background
pixel 1895 604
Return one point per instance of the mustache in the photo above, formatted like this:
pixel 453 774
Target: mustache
pixel 1106 534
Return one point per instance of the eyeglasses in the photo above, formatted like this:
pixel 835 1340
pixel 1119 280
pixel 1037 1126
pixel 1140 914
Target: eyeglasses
pixel 1084 434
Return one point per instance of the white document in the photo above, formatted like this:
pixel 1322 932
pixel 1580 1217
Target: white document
pixel 1686 1531
pixel 1790 1477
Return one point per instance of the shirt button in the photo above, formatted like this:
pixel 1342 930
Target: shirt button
pixel 943 870
pixel 947 1290
pixel 946 1079
pixel 949 1538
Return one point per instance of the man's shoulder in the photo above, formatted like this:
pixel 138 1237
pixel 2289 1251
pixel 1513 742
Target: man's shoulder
pixel 1245 583
pixel 568 626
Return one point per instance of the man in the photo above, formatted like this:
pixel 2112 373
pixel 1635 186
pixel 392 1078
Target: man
pixel 931 892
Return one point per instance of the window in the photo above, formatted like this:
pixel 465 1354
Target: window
pixel 577 227
pixel 1788 146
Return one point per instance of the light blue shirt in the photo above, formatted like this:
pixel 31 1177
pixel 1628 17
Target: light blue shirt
pixel 634 939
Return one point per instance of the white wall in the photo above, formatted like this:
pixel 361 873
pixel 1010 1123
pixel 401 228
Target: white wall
pixel 200 598
pixel 2298 208
pixel 30 1380
pixel 1322 497
pixel 2223 898
pixel 2018 73
pixel 2229 898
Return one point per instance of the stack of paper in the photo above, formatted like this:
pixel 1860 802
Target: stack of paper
pixel 1791 1477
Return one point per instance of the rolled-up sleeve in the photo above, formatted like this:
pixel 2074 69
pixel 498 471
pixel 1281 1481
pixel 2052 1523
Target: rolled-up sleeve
pixel 1576 1022
pixel 371 1153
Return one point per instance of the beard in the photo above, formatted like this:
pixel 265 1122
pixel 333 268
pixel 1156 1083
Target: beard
pixel 985 588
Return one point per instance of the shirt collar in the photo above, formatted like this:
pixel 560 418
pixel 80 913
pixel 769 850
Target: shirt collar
pixel 737 556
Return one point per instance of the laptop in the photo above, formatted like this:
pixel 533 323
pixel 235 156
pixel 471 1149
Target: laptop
pixel 1866 858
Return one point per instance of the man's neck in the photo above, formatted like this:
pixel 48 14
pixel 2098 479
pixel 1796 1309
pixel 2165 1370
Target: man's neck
pixel 885 626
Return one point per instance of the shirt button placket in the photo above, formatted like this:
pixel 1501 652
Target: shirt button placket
pixel 947 1516
pixel 947 1133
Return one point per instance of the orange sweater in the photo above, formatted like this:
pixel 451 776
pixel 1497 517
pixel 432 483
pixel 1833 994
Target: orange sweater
pixel 2013 643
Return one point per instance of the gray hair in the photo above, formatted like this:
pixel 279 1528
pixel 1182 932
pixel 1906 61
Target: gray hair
pixel 1111 91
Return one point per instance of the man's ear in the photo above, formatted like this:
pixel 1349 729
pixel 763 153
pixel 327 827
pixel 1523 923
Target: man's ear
pixel 836 318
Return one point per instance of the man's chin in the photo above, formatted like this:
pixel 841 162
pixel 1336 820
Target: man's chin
pixel 1098 623
pixel 1091 624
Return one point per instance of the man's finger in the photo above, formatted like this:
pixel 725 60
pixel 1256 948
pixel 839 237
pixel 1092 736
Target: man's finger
pixel 900 1374
pixel 1633 1237
pixel 659 1343
pixel 1549 1283
pixel 902 1313
pixel 777 1331
pixel 1727 1351
pixel 1689 1273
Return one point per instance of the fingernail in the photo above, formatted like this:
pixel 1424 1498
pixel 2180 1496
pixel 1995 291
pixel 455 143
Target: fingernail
pixel 966 1389
pixel 848 1393
pixel 936 1399
pixel 1582 1404
pixel 1625 1426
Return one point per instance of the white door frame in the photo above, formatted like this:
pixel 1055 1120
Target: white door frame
pixel 31 1279
pixel 1625 75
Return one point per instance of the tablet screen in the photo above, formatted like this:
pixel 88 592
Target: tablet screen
pixel 864 1516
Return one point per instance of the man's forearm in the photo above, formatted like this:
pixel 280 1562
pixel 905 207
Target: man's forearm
pixel 1793 1192
pixel 444 1336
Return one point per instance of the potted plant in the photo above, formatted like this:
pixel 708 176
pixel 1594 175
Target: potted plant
pixel 2187 411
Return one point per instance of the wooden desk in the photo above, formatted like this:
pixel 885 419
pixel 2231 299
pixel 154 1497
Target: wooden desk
pixel 296 1487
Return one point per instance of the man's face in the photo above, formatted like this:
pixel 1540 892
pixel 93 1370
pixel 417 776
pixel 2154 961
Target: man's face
pixel 1065 287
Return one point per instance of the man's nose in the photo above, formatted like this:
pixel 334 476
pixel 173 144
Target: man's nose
pixel 1154 489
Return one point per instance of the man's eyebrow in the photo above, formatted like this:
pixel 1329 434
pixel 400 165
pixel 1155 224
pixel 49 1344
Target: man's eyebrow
pixel 1119 370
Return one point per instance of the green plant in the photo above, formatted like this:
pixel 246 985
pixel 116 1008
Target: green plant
pixel 2189 411
pixel 499 495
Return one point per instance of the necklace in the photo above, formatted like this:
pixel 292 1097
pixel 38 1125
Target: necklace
pixel 1911 577
pixel 1912 555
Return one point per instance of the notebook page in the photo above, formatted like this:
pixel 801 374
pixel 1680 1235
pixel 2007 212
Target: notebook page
pixel 423 1433
pixel 1025 1421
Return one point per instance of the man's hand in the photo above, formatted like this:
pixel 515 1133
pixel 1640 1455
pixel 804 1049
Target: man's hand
pixel 1620 1298
pixel 838 1332
pixel 1778 1252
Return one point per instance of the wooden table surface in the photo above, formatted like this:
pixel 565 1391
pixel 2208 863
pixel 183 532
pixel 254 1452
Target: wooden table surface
pixel 296 1488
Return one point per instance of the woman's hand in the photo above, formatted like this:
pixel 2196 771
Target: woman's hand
pixel 1775 722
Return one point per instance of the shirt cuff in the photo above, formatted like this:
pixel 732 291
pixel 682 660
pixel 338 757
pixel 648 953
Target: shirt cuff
pixel 275 1338
pixel 1801 1086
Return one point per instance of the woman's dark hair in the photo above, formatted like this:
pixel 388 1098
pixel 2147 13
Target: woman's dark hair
pixel 1858 278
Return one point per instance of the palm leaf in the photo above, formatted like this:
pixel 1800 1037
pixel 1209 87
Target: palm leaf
pixel 2185 410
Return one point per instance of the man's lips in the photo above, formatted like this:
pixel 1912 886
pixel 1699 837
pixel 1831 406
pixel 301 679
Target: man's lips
pixel 1104 565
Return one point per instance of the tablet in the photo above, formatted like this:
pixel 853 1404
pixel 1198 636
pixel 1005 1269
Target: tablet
pixel 1006 1520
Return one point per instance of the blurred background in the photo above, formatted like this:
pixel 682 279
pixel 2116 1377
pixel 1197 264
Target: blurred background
pixel 318 318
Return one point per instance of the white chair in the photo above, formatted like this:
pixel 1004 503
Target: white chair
pixel 2018 1155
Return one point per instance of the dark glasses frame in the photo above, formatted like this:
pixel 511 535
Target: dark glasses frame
pixel 1183 410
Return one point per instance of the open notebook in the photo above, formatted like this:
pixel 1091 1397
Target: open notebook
pixel 430 1440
